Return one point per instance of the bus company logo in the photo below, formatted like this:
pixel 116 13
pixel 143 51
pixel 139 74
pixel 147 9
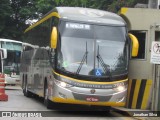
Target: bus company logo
pixel 92 13
pixel 92 91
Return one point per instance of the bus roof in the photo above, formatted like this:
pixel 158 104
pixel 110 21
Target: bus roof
pixel 9 40
pixel 90 15
pixel 94 16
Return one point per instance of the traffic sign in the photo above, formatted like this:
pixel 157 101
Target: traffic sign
pixel 98 72
pixel 155 52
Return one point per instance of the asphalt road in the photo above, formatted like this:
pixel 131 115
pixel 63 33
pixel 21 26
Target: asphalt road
pixel 20 107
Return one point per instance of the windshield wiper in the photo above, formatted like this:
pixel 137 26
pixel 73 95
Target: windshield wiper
pixel 82 61
pixel 103 64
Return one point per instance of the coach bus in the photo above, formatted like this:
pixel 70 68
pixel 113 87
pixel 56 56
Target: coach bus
pixel 81 57
pixel 10 65
pixel 10 62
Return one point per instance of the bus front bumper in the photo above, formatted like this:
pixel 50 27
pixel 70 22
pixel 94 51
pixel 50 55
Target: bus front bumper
pixel 83 96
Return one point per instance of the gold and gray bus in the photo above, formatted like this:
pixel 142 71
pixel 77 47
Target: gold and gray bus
pixel 80 57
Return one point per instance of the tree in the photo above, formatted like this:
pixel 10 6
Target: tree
pixel 44 6
pixel 22 10
pixel 117 4
pixel 14 13
pixel 5 12
pixel 110 5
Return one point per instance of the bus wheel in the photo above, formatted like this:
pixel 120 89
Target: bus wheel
pixel 47 102
pixel 26 92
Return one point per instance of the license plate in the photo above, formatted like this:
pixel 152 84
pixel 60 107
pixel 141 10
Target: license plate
pixel 92 99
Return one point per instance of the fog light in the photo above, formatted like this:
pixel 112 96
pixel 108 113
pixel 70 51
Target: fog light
pixel 62 95
pixel 63 84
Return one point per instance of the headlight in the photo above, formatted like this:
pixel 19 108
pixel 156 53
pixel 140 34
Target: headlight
pixel 119 88
pixel 63 84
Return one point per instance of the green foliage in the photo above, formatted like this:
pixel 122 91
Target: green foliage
pixel 43 6
pixel 14 13
pixel 110 5
pixel 5 12
pixel 117 4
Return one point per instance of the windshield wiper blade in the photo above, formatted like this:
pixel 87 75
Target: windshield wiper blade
pixel 82 61
pixel 104 66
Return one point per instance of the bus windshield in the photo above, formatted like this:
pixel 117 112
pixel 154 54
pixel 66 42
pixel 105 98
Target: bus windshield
pixel 92 50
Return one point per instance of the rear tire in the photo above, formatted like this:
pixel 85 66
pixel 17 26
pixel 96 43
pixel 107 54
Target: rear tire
pixel 23 84
pixel 25 90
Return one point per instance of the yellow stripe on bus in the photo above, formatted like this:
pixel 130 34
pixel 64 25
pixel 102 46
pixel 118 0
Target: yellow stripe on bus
pixel 146 94
pixel 73 101
pixel 42 20
pixel 136 91
pixel 83 81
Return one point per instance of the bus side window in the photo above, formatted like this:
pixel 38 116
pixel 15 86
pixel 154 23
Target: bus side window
pixel 141 36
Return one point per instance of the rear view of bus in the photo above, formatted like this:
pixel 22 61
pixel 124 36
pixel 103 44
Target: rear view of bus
pixel 87 59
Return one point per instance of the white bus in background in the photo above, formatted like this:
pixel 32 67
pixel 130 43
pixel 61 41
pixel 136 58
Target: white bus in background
pixel 11 64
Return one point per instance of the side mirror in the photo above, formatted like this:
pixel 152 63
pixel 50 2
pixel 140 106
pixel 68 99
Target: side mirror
pixel 135 45
pixel 3 53
pixel 54 35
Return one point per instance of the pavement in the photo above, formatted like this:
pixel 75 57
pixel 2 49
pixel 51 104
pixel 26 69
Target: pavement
pixel 120 111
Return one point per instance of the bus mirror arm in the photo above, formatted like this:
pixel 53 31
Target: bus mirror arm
pixel 3 53
pixel 54 35
pixel 135 45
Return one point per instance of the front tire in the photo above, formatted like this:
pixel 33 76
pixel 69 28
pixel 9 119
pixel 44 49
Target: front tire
pixel 47 102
